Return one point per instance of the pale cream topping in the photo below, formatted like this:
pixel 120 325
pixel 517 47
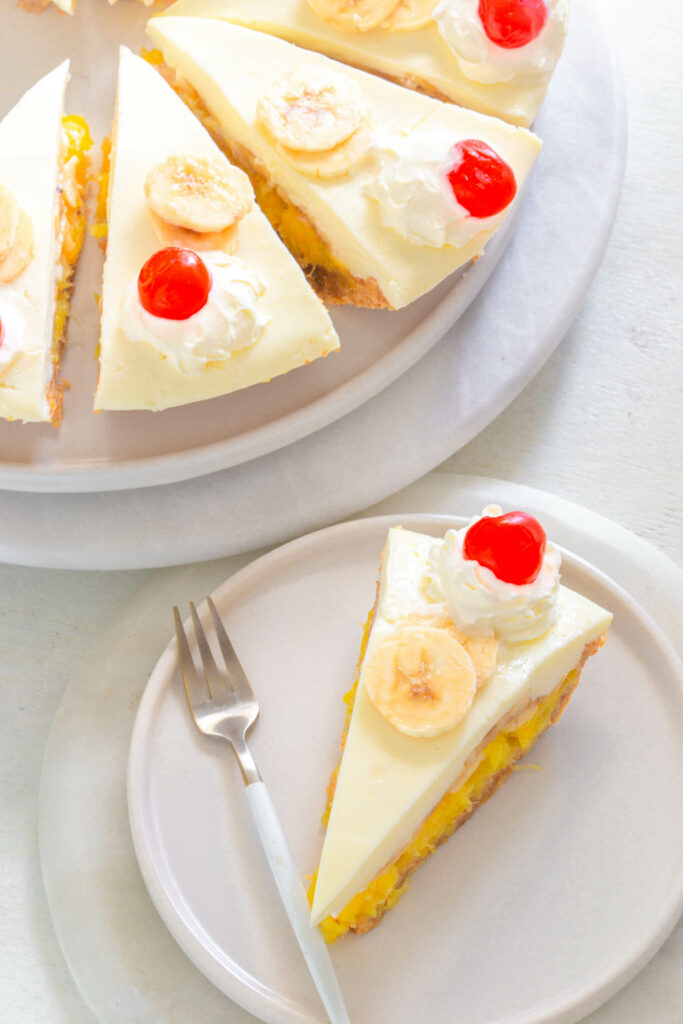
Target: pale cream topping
pixel 478 602
pixel 229 322
pixel 482 60
pixel 414 194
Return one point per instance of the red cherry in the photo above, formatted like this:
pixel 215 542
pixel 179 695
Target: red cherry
pixel 174 283
pixel 511 546
pixel 481 181
pixel 513 23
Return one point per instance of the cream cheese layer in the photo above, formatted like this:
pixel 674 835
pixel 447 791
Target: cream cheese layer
pixel 389 782
pixel 30 137
pixel 151 125
pixel 419 58
pixel 230 67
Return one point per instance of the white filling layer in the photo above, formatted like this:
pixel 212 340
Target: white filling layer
pixel 229 322
pixel 482 60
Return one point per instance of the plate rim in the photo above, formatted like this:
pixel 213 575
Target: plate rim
pixel 567 1007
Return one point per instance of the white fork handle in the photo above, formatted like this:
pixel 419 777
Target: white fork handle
pixel 313 945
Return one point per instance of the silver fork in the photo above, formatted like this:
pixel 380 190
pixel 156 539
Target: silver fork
pixel 223 704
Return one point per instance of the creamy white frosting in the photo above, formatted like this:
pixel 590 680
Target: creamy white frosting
pixel 478 602
pixel 229 321
pixel 414 194
pixel 13 319
pixel 482 60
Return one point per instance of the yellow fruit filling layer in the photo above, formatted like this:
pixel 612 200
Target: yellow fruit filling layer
pixel 306 245
pixel 490 767
pixel 99 228
pixel 71 221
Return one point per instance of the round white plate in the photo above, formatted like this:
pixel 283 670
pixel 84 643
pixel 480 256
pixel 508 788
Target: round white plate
pixel 124 450
pixel 559 889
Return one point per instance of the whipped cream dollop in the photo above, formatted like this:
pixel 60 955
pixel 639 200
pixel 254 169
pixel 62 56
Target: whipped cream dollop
pixel 228 322
pixel 414 194
pixel 13 317
pixel 482 60
pixel 478 602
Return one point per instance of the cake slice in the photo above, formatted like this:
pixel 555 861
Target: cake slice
pixel 379 192
pixel 495 56
pixel 473 649
pixel 200 297
pixel 43 172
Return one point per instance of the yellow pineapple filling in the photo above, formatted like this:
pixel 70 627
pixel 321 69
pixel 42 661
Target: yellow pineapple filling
pixel 295 230
pixel 99 228
pixel 499 755
pixel 71 220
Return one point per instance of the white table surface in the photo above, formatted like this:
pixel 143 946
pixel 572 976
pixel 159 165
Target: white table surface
pixel 601 425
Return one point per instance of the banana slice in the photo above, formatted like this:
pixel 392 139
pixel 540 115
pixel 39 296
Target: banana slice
pixel 353 15
pixel 409 15
pixel 23 248
pixel 208 241
pixel 9 218
pixel 421 680
pixel 336 161
pixel 199 194
pixel 483 650
pixel 312 111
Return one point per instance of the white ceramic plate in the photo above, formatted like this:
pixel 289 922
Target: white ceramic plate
pixel 125 450
pixel 544 905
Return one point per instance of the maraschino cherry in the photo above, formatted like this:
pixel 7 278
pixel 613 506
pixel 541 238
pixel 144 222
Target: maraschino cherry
pixel 174 284
pixel 481 180
pixel 513 23
pixel 512 546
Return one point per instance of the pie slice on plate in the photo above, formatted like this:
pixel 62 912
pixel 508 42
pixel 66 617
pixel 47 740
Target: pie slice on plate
pixel 43 172
pixel 472 650
pixel 495 56
pixel 200 296
pixel 378 191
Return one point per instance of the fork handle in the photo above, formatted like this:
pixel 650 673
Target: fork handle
pixel 293 895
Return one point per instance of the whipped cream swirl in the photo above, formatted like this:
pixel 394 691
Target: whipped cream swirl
pixel 478 602
pixel 482 60
pixel 228 322
pixel 414 194
pixel 14 323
